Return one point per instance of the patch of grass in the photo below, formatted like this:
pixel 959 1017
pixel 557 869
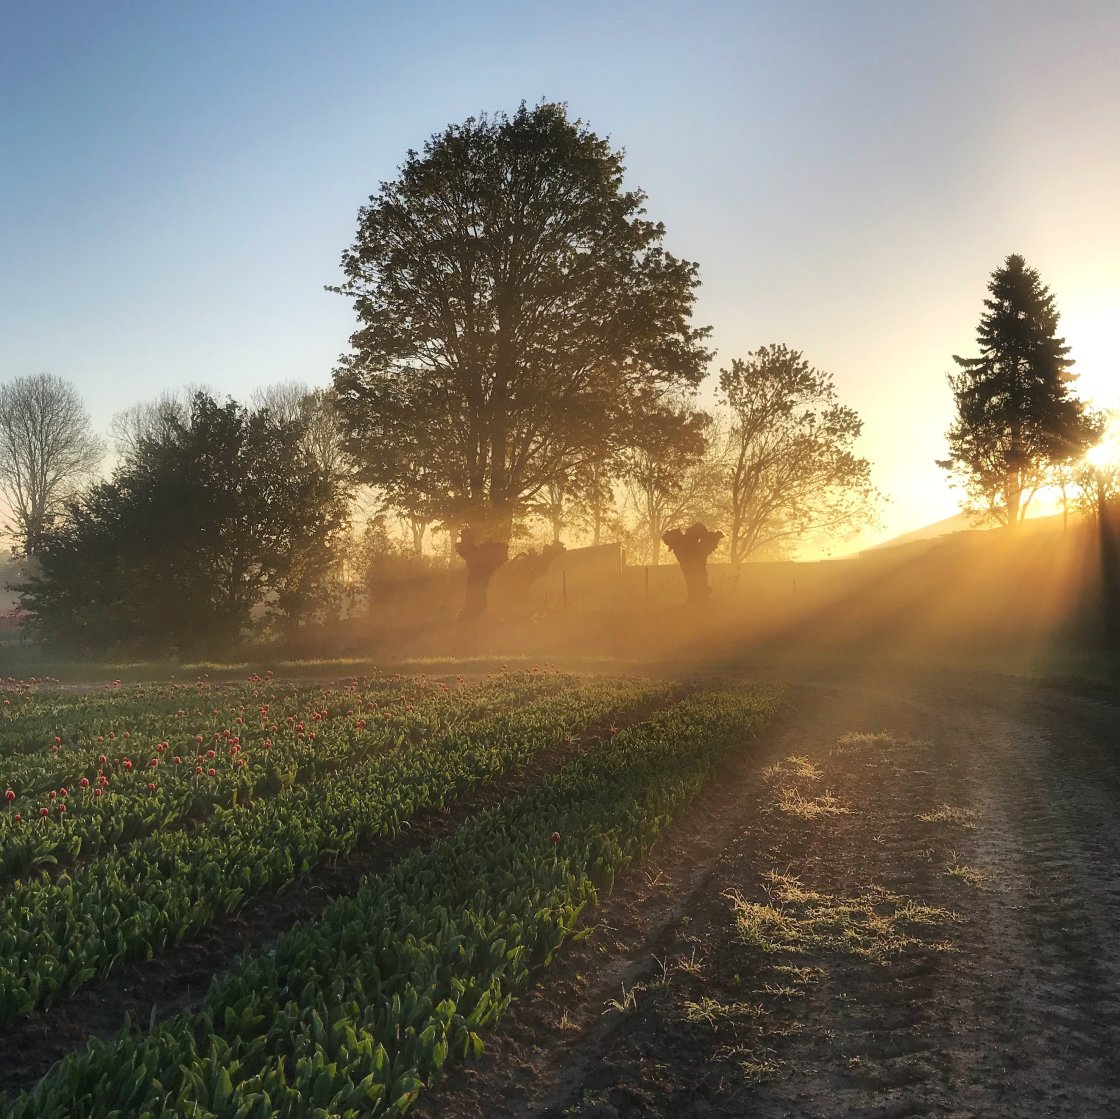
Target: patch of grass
pixel 692 966
pixel 755 1065
pixel 858 741
pixel 948 814
pixel 969 875
pixel 791 801
pixel 875 925
pixel 793 768
pixel 712 1012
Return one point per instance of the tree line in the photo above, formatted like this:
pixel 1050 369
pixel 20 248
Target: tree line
pixel 525 351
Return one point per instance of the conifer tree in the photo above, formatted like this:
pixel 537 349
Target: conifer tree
pixel 1016 417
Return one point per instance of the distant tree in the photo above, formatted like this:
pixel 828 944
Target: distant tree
pixel 1095 477
pixel 789 464
pixel 47 451
pixel 316 412
pixel 578 500
pixel 223 513
pixel 151 419
pixel 1016 418
pixel 668 476
pixel 514 305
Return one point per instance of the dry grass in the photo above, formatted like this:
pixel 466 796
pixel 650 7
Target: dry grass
pixel 875 925
pixel 791 801
pixel 948 814
pixel 858 741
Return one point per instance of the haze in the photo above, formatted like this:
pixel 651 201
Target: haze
pixel 179 182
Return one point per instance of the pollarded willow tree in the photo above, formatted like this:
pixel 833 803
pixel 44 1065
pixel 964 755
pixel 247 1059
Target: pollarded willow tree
pixel 1016 417
pixel 790 462
pixel 514 304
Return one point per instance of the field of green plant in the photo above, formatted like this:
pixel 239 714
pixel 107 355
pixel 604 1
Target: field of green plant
pixel 136 818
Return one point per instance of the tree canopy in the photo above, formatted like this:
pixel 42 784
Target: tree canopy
pixel 222 512
pixel 790 464
pixel 514 303
pixel 1016 417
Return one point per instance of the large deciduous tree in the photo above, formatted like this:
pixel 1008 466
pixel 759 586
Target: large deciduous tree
pixel 514 304
pixel 222 512
pixel 1016 417
pixel 47 451
pixel 790 465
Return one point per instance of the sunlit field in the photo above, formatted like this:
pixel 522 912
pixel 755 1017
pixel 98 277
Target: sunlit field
pixel 559 561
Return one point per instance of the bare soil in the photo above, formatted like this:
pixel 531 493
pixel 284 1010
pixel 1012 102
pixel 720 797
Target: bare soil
pixel 906 903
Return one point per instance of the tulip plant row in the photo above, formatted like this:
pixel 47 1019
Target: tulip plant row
pixel 354 1014
pixel 156 779
pixel 59 932
pixel 49 741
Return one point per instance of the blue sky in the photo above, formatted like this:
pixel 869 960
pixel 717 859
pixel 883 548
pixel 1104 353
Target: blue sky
pixel 178 181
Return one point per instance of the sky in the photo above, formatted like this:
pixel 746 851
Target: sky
pixel 178 181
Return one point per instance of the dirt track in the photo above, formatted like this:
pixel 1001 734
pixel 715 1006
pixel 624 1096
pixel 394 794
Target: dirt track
pixel 919 919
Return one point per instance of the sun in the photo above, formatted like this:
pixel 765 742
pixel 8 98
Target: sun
pixel 1106 454
pixel 1094 345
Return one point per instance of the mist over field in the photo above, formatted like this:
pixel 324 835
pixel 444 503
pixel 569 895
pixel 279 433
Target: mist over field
pixel 559 561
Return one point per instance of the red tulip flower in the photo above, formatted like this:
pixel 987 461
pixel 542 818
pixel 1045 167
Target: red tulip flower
pixel 44 811
pixel 212 772
pixel 84 782
pixel 102 759
pixel 96 792
pixel 198 769
pixel 61 808
pixel 10 795
pixel 555 837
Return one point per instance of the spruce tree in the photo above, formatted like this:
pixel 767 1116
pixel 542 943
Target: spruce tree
pixel 1016 416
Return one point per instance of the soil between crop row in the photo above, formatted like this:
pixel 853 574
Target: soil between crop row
pixel 926 922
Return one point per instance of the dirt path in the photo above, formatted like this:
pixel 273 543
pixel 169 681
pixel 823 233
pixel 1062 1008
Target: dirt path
pixel 909 907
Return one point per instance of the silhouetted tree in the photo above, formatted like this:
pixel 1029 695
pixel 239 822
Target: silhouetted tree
pixel 789 464
pixel 47 451
pixel 514 303
pixel 667 476
pixel 1016 417
pixel 692 546
pixel 223 513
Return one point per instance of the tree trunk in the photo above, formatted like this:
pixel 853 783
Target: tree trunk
pixel 692 546
pixel 483 558
pixel 1013 497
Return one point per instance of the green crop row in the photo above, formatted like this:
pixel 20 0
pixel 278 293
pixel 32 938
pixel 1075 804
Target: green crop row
pixel 51 740
pixel 118 799
pixel 352 1015
pixel 58 933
